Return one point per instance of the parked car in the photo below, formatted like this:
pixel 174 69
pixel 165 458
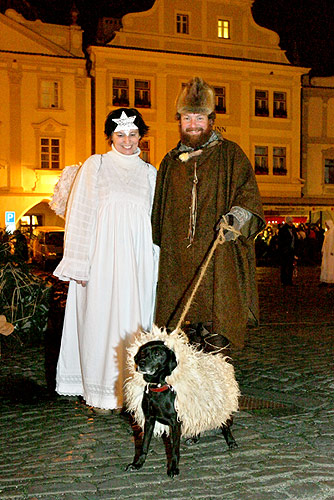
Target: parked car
pixel 46 246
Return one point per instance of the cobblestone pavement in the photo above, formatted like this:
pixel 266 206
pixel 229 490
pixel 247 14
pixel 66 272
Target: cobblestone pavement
pixel 56 448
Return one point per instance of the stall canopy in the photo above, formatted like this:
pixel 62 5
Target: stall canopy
pixel 273 219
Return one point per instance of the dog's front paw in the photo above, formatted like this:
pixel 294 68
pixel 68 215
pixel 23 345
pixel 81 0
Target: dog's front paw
pixel 192 440
pixel 134 466
pixel 173 471
pixel 232 444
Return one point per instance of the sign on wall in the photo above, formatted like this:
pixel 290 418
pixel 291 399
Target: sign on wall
pixel 10 221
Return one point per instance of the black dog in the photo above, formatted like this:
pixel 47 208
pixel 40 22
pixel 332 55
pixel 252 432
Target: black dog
pixel 156 362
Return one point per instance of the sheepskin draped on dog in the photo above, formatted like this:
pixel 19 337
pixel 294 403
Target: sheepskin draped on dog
pixel 205 385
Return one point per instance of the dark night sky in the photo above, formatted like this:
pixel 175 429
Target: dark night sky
pixel 305 27
pixel 306 30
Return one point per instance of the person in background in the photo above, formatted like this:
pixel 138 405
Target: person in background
pixel 202 179
pixel 327 262
pixel 111 264
pixel 21 252
pixel 287 249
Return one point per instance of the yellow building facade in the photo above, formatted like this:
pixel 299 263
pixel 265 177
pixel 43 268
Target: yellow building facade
pixel 318 146
pixel 258 91
pixel 44 113
pixel 50 116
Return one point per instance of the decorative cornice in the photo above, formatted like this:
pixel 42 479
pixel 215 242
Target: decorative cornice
pixel 197 54
pixel 40 54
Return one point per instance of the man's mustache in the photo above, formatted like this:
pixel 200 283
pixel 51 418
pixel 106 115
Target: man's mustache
pixel 195 129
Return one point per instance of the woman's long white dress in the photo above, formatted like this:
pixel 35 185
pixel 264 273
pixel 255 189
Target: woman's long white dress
pixel 108 242
pixel 327 263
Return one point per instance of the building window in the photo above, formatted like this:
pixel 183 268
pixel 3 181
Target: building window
pixel 29 222
pixel 120 89
pixel 220 99
pixel 50 153
pixel 182 24
pixel 50 94
pixel 279 110
pixel 261 103
pixel 145 150
pixel 142 94
pixel 261 160
pixel 223 28
pixel 329 171
pixel 279 161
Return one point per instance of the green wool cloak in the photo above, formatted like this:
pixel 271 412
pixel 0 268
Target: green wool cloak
pixel 227 295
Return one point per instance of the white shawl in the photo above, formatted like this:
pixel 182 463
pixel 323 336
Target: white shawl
pixel 205 385
pixel 81 214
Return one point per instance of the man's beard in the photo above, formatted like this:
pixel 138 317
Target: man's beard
pixel 198 140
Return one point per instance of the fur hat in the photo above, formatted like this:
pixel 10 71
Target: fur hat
pixel 196 97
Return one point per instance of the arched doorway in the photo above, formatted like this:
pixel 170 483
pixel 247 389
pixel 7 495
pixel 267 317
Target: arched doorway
pixel 39 215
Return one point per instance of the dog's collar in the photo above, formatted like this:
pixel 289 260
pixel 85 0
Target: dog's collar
pixel 158 388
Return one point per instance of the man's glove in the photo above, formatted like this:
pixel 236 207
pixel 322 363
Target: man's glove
pixel 231 220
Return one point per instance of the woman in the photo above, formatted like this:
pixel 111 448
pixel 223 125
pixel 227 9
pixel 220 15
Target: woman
pixel 327 263
pixel 110 262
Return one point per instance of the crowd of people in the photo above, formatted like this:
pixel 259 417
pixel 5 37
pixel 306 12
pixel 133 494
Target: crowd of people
pixel 310 237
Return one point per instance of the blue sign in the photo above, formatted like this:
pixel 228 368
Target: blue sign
pixel 10 218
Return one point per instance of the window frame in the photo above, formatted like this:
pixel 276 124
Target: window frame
pixel 49 128
pixel 272 98
pixel 329 159
pixel 57 93
pixel 185 15
pixel 223 110
pixel 145 152
pixel 120 102
pixel 50 153
pixel 130 78
pixel 280 113
pixel 258 168
pixel 273 172
pixel 143 104
pixel 262 111
pixel 279 170
pixel 28 223
pixel 220 19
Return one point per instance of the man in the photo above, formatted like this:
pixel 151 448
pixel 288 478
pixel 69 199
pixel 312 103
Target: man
pixel 287 249
pixel 199 181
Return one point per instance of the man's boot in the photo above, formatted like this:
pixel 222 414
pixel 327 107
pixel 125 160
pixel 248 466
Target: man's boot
pixel 201 335
pixel 213 342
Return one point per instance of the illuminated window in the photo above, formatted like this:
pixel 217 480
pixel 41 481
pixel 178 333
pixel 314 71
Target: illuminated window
pixel 49 97
pixel 50 153
pixel 120 89
pixel 182 24
pixel 279 161
pixel 142 94
pixel 145 150
pixel 220 99
pixel 329 171
pixel 261 160
pixel 279 110
pixel 31 221
pixel 223 28
pixel 261 103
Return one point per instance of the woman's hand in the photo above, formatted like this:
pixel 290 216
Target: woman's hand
pixel 80 282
